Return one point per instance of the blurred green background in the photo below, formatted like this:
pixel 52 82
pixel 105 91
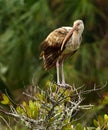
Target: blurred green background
pixel 24 24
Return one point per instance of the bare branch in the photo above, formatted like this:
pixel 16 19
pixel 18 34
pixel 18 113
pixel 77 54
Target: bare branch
pixel 95 89
pixel 55 108
pixel 6 123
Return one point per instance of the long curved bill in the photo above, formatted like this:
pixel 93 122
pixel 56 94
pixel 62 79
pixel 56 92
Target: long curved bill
pixel 68 36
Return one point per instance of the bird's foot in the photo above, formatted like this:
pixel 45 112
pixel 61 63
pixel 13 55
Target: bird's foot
pixel 65 85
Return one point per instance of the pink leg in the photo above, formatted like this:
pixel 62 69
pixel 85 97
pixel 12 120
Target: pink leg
pixel 62 72
pixel 57 68
pixel 63 84
pixel 63 77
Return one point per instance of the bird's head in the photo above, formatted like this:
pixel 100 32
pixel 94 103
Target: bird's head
pixel 78 26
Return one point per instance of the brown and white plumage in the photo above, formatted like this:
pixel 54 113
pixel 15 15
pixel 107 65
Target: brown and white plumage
pixel 60 44
pixel 51 47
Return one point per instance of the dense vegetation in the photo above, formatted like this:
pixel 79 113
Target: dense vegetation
pixel 23 26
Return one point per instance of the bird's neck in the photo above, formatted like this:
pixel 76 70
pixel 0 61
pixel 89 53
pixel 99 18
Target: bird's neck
pixel 76 37
pixel 73 43
pixel 77 34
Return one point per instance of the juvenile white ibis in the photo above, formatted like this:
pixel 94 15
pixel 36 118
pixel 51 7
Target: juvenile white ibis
pixel 60 44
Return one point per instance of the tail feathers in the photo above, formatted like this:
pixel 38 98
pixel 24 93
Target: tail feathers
pixel 50 59
pixel 49 55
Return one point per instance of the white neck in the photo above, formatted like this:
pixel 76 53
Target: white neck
pixel 74 42
pixel 76 37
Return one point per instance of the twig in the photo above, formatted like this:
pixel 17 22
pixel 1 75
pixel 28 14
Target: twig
pixel 34 98
pixel 86 106
pixel 18 116
pixel 9 114
pixel 6 123
pixel 12 101
pixel 94 89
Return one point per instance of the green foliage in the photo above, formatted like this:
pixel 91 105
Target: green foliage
pixel 20 38
pixel 31 109
pixel 53 108
pixel 101 123
pixel 5 99
pixel 48 107
pixel 24 25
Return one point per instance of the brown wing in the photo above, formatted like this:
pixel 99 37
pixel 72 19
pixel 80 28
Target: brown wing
pixel 51 47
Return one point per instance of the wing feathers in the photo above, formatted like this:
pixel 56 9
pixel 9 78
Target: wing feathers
pixel 51 46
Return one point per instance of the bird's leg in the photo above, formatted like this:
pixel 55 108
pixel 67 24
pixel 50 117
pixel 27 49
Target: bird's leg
pixel 62 73
pixel 63 84
pixel 57 68
pixel 63 77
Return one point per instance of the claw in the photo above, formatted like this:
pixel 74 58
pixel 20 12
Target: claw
pixel 64 85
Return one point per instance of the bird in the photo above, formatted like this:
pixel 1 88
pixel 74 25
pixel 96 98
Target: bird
pixel 60 44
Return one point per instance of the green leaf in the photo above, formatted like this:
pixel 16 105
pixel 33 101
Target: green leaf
pixel 5 100
pixel 106 117
pixel 79 127
pixel 96 123
pixel 100 120
pixel 67 127
pixel 98 128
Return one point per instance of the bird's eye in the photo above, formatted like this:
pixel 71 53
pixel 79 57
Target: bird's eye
pixel 78 23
